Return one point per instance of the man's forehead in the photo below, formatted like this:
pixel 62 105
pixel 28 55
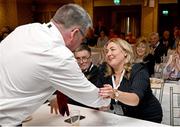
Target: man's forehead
pixel 82 52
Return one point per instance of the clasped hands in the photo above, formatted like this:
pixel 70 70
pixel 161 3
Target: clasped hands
pixel 107 91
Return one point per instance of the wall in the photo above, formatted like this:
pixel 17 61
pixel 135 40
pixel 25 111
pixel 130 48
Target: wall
pixel 24 12
pixel 15 12
pixel 3 18
pixel 8 13
pixel 44 12
pixel 18 12
pixel 149 19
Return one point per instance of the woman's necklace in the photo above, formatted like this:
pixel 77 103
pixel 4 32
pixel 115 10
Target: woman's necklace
pixel 116 86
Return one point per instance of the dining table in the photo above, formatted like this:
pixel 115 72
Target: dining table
pixel 43 117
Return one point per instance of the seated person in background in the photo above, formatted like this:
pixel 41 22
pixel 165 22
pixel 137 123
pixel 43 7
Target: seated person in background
pixel 130 38
pixel 83 57
pixel 167 41
pixel 127 85
pixel 102 39
pixel 141 51
pixel 100 27
pixel 172 68
pixel 112 33
pixel 176 36
pixel 157 48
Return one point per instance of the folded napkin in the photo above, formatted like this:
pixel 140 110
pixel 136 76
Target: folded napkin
pixel 62 103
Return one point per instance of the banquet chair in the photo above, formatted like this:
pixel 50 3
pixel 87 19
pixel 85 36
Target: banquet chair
pixel 174 108
pixel 157 86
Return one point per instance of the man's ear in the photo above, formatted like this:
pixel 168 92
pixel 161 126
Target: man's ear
pixel 73 33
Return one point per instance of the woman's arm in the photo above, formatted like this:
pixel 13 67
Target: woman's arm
pixel 127 98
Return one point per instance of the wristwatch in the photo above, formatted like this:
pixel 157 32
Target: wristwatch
pixel 116 94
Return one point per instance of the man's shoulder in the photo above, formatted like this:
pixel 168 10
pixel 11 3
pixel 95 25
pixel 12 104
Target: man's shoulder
pixel 29 25
pixel 33 30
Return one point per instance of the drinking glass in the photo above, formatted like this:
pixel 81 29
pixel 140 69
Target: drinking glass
pixel 75 117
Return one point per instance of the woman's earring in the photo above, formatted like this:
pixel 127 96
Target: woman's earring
pixel 125 55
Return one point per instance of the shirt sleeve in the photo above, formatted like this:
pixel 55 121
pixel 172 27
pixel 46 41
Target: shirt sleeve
pixel 140 83
pixel 69 79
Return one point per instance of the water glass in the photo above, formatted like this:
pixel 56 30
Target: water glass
pixel 75 117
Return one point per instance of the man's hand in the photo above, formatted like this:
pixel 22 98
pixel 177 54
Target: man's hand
pixel 107 91
pixel 54 105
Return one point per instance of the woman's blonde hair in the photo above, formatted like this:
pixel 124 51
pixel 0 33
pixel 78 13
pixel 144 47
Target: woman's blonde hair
pixel 126 47
pixel 142 40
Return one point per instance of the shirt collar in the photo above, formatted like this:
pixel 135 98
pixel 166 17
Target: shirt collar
pixel 157 44
pixel 89 69
pixel 55 32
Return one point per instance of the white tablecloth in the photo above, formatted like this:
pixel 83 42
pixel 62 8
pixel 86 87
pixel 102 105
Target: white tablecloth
pixel 42 117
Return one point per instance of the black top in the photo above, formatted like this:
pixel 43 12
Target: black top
pixel 149 107
pixel 91 74
pixel 149 62
pixel 167 46
pixel 159 51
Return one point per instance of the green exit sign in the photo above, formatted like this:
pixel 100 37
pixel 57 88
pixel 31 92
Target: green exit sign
pixel 117 2
pixel 165 12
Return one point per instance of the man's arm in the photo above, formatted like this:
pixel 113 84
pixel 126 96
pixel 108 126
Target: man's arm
pixel 68 78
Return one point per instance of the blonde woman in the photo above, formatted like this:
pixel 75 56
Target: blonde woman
pixel 128 86
pixel 142 54
pixel 172 68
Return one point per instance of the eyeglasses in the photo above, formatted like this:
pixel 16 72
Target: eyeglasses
pixel 81 32
pixel 83 59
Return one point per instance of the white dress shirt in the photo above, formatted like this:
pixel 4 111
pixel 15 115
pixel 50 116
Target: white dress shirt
pixel 34 62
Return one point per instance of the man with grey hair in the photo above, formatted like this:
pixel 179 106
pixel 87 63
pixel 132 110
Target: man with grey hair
pixel 158 49
pixel 37 59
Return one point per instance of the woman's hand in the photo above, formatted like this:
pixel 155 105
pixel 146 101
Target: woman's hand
pixel 106 91
pixel 177 64
pixel 54 106
pixel 175 57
